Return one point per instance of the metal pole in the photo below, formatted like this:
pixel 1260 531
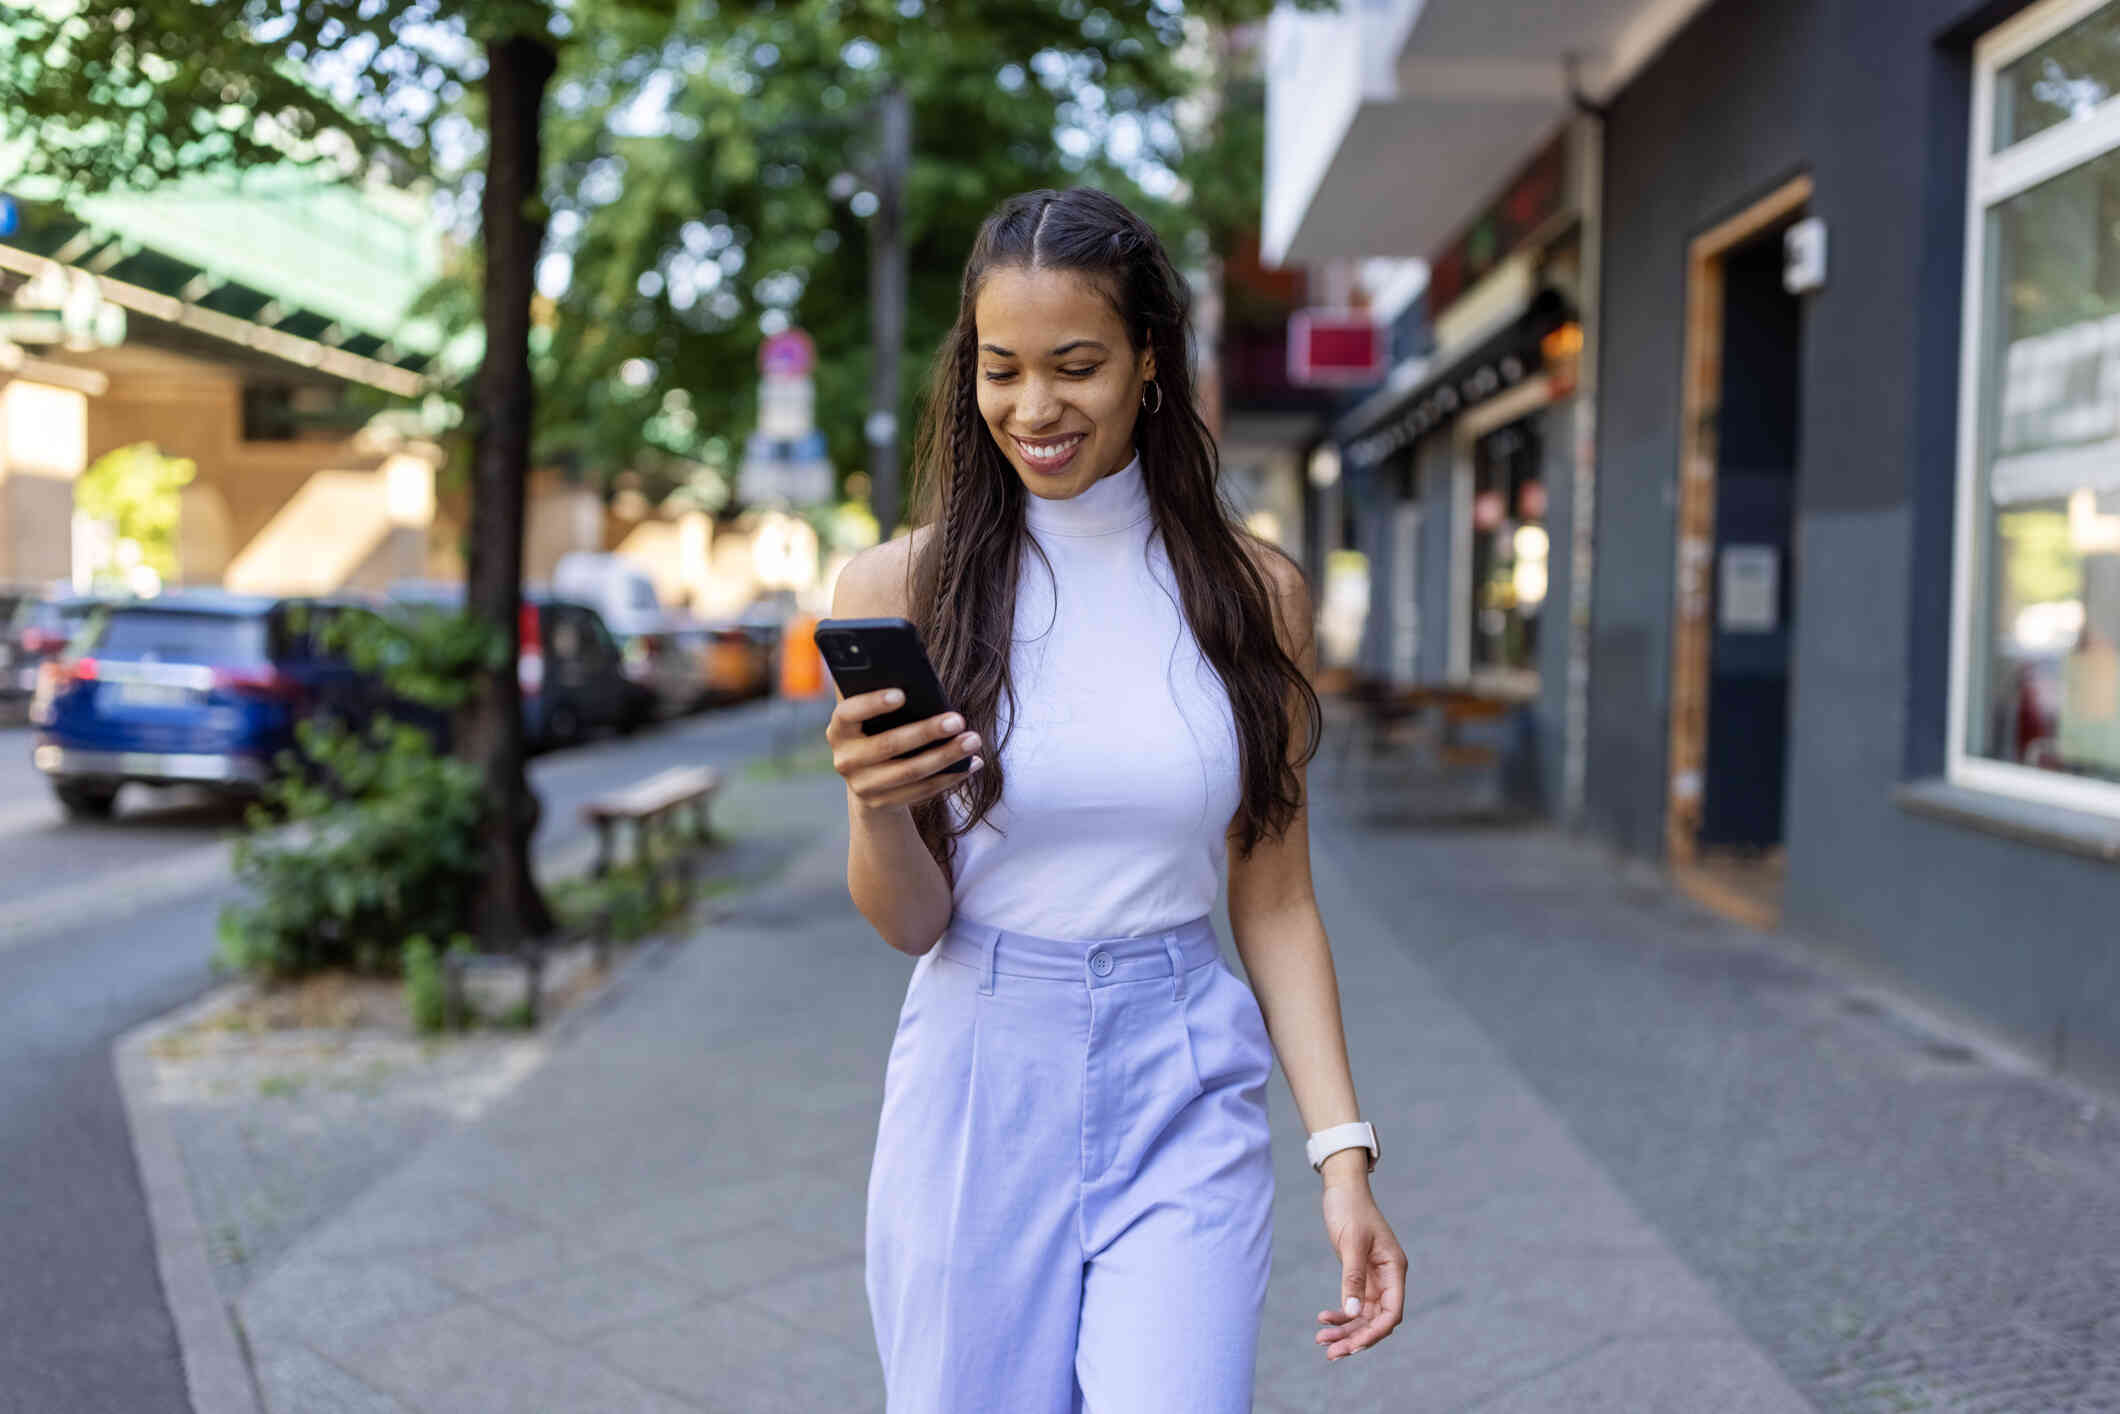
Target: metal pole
pixel 887 262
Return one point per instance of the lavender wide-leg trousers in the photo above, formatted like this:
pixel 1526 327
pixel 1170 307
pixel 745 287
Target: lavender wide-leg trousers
pixel 1070 1209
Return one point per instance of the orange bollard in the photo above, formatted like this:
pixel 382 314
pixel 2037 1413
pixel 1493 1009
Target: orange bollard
pixel 801 665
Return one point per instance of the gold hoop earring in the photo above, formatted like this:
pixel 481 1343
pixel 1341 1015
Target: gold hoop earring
pixel 1152 411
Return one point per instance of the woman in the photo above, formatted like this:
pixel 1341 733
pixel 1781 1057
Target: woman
pixel 1070 1201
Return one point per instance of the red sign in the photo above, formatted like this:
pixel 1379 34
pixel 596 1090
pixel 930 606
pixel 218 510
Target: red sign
pixel 788 354
pixel 1334 349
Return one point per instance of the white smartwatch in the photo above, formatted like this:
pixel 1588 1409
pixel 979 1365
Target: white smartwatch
pixel 1327 1142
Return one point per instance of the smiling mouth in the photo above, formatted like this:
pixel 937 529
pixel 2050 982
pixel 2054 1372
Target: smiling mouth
pixel 1050 453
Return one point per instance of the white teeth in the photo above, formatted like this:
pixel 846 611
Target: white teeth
pixel 1049 453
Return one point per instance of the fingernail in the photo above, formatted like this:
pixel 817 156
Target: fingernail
pixel 1352 1306
pixel 894 697
pixel 977 763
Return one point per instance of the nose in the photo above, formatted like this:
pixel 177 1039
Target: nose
pixel 1037 406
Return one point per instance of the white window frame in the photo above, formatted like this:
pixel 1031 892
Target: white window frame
pixel 1994 177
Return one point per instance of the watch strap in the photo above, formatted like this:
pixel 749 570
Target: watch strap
pixel 1327 1142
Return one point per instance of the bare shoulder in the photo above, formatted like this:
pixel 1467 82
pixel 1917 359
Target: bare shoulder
pixel 875 583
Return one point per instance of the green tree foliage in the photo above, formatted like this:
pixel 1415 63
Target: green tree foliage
pixel 710 176
pixel 139 491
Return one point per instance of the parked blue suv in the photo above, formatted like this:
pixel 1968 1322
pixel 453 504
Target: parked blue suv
pixel 194 687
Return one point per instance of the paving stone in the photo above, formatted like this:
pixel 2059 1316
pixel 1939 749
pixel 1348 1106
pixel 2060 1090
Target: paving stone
pixel 316 1298
pixel 589 1300
pixel 1650 1295
pixel 472 1361
pixel 387 1220
pixel 1728 1376
pixel 293 1379
pixel 831 1302
pixel 692 1213
pixel 740 1361
pixel 739 1261
pixel 502 1261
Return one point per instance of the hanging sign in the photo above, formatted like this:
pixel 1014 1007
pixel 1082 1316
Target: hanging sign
pixel 1334 349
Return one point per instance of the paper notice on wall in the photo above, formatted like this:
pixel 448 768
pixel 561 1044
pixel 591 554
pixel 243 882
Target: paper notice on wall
pixel 1749 585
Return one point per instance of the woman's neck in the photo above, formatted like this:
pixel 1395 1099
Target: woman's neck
pixel 1109 503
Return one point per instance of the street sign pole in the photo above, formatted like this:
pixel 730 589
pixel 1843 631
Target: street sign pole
pixel 887 307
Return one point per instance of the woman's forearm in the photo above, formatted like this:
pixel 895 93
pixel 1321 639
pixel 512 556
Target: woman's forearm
pixel 895 882
pixel 1289 960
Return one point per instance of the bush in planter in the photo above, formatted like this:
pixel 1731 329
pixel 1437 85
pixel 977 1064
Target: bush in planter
pixel 376 838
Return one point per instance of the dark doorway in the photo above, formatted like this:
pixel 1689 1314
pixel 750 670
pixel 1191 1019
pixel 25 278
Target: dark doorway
pixel 1751 607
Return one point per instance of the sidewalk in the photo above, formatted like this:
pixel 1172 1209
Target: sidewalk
pixel 668 1214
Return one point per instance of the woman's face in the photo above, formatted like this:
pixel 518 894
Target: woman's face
pixel 1059 380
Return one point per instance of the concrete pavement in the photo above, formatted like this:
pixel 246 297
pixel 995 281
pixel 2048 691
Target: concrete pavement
pixel 668 1215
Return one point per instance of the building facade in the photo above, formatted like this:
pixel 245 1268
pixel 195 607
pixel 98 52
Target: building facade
pixel 1849 643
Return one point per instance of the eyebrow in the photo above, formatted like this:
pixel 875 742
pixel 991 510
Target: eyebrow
pixel 1067 348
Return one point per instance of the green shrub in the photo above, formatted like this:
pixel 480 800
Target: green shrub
pixel 628 894
pixel 368 838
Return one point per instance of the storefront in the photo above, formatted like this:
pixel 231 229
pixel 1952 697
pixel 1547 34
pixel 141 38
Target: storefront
pixel 1464 478
pixel 1856 647
pixel 1828 509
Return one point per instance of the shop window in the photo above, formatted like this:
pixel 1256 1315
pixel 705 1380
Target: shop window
pixel 1510 552
pixel 2036 686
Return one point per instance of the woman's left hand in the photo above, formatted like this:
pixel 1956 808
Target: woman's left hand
pixel 1372 1270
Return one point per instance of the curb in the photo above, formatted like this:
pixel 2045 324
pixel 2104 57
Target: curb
pixel 216 1366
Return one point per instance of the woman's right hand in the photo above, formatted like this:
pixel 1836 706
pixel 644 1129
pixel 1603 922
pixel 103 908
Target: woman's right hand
pixel 865 762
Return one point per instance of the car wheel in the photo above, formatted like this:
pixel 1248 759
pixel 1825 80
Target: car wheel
pixel 87 802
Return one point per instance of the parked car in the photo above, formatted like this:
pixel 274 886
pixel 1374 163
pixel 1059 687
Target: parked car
pixel 34 629
pixel 731 663
pixel 194 687
pixel 570 669
pixel 648 634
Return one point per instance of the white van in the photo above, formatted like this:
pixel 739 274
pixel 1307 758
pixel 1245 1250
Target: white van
pixel 624 594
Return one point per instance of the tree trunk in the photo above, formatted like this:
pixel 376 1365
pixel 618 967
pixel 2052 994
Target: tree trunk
pixel 510 911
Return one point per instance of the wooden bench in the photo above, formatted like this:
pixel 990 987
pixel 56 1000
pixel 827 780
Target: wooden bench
pixel 652 807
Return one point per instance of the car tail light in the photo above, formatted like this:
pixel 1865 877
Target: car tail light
pixel 82 670
pixel 268 683
pixel 530 660
pixel 41 640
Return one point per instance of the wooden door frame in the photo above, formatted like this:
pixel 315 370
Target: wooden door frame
pixel 1700 402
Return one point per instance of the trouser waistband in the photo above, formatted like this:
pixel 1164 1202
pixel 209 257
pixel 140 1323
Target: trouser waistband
pixel 1100 962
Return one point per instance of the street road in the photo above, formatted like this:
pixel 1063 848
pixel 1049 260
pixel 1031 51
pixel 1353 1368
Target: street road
pixel 104 926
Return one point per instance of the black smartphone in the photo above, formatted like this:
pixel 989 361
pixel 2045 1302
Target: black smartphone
pixel 867 655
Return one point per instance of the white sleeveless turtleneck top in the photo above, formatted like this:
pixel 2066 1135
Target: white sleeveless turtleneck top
pixel 1121 774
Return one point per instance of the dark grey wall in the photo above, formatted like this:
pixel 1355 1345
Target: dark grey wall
pixel 1870 97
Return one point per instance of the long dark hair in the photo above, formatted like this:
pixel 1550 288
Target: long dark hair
pixel 963 589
